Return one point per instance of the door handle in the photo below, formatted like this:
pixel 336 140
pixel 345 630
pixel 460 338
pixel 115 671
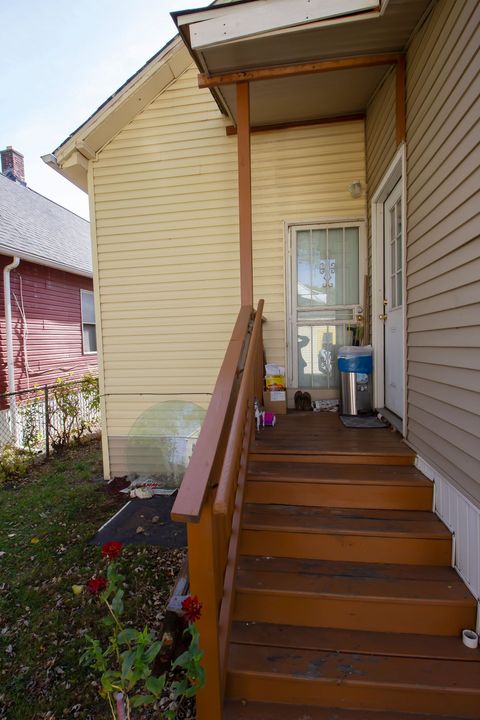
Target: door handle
pixel 382 317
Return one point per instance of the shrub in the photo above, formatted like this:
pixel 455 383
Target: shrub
pixel 14 462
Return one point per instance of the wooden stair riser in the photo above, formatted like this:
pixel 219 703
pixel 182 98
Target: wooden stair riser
pixel 332 546
pixel 354 613
pixel 251 710
pixel 352 693
pixel 336 495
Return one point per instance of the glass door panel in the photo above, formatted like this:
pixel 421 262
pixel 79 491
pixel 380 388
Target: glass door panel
pixel 326 277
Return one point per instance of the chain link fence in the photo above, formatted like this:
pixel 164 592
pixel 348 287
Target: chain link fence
pixel 49 417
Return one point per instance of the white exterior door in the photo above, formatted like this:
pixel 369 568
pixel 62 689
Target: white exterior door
pixel 393 314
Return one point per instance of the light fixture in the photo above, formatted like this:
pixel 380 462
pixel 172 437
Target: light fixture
pixel 355 189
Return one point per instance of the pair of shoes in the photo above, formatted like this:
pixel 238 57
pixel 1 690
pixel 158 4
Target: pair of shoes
pixel 306 401
pixel 303 400
pixel 298 399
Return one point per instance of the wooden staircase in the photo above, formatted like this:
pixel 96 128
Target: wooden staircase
pixel 325 579
pixel 346 605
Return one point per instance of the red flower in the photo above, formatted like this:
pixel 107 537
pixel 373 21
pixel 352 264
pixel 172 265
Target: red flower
pixel 112 549
pixel 96 585
pixel 192 608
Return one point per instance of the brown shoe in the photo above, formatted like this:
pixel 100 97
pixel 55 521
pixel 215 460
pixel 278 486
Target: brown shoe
pixel 306 401
pixel 298 399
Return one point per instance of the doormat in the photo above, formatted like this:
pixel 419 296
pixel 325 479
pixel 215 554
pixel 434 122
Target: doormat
pixel 144 522
pixel 359 422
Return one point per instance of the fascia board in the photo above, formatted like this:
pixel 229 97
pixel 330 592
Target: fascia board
pixel 71 157
pixel 230 23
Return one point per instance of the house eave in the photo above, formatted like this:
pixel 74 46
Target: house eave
pixel 247 38
pixel 45 262
pixel 72 156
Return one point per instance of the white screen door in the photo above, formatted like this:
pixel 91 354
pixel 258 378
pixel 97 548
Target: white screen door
pixel 393 317
pixel 325 291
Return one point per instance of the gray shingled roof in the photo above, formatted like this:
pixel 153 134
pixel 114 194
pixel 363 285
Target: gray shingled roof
pixel 36 228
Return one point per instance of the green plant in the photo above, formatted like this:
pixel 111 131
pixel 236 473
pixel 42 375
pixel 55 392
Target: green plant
pixel 126 658
pixel 14 462
pixel 29 412
pixel 90 392
pixel 66 422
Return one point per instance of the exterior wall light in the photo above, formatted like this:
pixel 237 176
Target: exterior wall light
pixel 355 189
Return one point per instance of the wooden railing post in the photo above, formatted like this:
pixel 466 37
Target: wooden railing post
pixel 259 370
pixel 204 582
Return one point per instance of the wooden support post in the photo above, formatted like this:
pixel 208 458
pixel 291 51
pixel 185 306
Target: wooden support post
pixel 245 193
pixel 204 581
pixel 401 125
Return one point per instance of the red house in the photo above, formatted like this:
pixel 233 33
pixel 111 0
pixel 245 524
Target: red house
pixel 47 314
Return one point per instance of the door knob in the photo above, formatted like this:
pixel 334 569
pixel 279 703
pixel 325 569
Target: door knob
pixel 382 317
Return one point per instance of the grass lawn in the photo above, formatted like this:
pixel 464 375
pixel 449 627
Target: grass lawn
pixel 46 521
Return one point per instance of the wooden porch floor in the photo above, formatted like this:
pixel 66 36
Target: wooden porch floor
pixel 306 433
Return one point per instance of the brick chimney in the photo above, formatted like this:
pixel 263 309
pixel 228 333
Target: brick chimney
pixel 12 165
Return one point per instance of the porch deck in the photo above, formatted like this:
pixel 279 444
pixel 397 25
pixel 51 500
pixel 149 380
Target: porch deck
pixel 310 433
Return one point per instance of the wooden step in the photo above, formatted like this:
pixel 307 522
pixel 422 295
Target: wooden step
pixel 406 645
pixel 395 536
pixel 328 485
pixel 368 457
pixel 246 710
pixel 350 680
pixel 424 599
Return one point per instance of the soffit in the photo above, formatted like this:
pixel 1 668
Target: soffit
pixel 308 97
pixel 368 32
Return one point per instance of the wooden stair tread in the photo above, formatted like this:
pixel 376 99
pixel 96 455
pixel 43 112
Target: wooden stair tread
pixel 353 641
pixel 236 710
pixel 336 473
pixel 335 667
pixel 418 583
pixel 393 523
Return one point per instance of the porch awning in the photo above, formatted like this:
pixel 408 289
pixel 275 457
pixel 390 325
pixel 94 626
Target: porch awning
pixel 244 37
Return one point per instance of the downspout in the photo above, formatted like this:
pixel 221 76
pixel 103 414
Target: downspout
pixel 9 338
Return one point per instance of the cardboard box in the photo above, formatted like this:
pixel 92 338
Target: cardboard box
pixel 275 401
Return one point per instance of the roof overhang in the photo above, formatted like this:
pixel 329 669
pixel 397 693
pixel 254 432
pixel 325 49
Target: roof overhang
pixel 71 158
pixel 235 41
pixel 38 260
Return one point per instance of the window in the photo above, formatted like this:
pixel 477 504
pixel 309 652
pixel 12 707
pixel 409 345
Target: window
pixel 88 322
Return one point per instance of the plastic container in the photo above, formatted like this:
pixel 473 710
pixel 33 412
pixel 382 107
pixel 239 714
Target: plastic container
pixel 355 365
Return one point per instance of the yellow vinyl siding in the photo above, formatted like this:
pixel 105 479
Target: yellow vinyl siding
pixel 298 175
pixel 166 216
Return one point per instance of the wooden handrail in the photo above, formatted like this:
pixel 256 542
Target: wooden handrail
pixel 229 473
pixel 197 478
pixel 210 499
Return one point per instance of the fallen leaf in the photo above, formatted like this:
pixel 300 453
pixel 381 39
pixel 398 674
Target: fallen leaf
pixel 77 589
pixel 34 540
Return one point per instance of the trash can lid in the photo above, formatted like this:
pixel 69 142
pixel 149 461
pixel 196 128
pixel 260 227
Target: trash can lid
pixel 351 351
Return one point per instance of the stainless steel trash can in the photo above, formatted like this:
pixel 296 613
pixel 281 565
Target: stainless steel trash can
pixel 355 368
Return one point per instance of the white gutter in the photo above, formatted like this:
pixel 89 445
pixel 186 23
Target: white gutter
pixel 30 257
pixel 9 338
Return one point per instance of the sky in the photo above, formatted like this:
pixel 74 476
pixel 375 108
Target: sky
pixel 59 61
